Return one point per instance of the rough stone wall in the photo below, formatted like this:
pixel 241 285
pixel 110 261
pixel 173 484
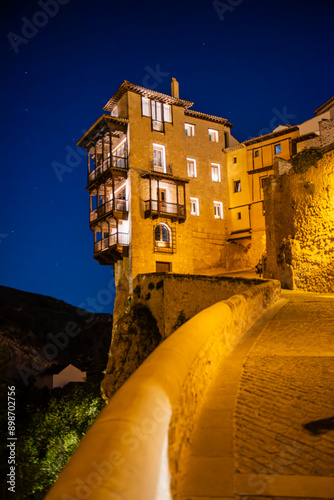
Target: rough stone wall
pixel 300 227
pixel 159 305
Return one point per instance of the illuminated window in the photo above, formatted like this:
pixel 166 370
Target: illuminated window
pixel 278 149
pixel 215 172
pixel 194 206
pixel 162 235
pixel 213 135
pixel 189 129
pixel 237 186
pixel 218 209
pixel 156 113
pixel 159 160
pixel 191 167
pixel 145 106
pixel 167 113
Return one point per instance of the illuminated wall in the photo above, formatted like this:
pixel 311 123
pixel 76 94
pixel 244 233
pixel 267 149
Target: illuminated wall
pixel 300 227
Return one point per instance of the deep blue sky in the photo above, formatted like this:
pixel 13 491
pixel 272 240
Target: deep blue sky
pixel 254 60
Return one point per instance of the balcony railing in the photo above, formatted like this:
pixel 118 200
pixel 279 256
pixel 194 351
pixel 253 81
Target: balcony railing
pixel 111 241
pixel 106 208
pixel 112 162
pixel 164 208
pixel 164 169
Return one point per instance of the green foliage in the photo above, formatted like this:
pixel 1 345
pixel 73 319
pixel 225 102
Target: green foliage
pixel 306 159
pixel 52 434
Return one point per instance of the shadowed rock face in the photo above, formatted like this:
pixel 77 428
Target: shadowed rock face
pixel 135 336
pixel 33 335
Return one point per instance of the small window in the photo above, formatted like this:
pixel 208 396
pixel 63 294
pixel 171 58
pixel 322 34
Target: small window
pixel 156 111
pixel 256 153
pixel 215 172
pixel 194 206
pixel 159 162
pixel 218 209
pixel 227 139
pixel 191 167
pixel 237 186
pixel 145 106
pixel 167 113
pixel 213 135
pixel 263 209
pixel 238 215
pixel 163 267
pixel 162 235
pixel 234 159
pixel 189 129
pixel 278 149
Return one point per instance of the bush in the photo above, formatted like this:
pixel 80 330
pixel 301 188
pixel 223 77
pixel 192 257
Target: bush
pixel 52 435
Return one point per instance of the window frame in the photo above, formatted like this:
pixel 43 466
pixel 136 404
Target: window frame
pixel 219 205
pixel 195 212
pixel 191 128
pixel 147 100
pixel 237 184
pixel 192 160
pixel 279 145
pixel 215 134
pixel 164 106
pixel 162 148
pixel 161 242
pixel 215 165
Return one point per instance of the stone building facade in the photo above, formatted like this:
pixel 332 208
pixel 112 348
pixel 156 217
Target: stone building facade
pixel 171 190
pixel 157 184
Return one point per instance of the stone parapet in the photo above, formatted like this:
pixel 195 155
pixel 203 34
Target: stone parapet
pixel 125 453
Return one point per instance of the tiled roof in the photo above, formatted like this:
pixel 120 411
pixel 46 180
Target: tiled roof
pixel 158 96
pixel 327 105
pixel 205 116
pixel 272 135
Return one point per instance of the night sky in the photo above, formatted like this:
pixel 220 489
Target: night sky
pixel 256 63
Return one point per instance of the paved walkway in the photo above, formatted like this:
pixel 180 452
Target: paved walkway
pixel 250 440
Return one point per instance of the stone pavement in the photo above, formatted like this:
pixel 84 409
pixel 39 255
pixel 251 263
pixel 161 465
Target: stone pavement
pixel 250 441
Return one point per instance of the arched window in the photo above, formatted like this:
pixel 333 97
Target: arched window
pixel 162 235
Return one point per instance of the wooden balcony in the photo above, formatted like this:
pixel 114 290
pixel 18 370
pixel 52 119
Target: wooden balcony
pixel 115 208
pixel 155 208
pixel 112 248
pixel 113 164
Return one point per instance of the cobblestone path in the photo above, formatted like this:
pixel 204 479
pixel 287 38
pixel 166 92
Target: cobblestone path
pixel 267 428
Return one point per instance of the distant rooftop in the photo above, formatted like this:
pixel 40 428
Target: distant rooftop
pixel 325 107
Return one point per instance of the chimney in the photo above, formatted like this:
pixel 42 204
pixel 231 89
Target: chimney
pixel 175 88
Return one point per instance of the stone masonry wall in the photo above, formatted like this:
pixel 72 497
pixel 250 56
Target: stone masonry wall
pixel 300 227
pixel 159 305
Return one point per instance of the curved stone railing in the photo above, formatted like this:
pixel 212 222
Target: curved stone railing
pixel 133 448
